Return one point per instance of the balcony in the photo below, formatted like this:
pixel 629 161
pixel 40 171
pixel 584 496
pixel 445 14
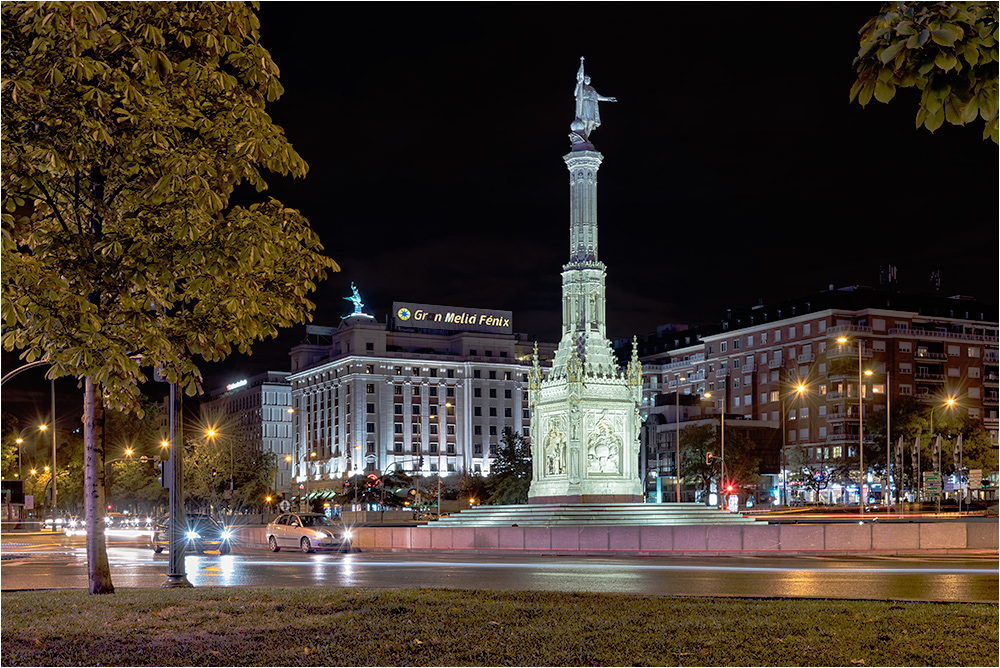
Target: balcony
pixel 929 377
pixel 847 350
pixel 932 334
pixel 776 364
pixel 927 355
pixel 721 373
pixel 847 330
pixel 991 379
pixel 991 357
pixel 806 358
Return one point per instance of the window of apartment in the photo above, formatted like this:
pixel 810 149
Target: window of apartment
pixel 973 412
pixel 493 431
pixel 777 336
pixel 477 430
pixel 736 383
pixel 432 409
pixel 398 390
pixel 493 411
pixel 397 428
pixel 473 352
pixel 822 410
pixel 370 427
pixel 477 373
pixel 526 414
pixel 493 449
pixel 506 375
pixel 477 391
pixel 804 434
pixel 763 338
pixel 493 393
pixel 906 346
pixel 822 432
pixel 736 344
pixel 711 349
pixel 370 388
pixel 722 346
pixel 415 428
pixel 369 408
pixel 878 346
pixel 506 394
pixel 397 409
pixel 973 393
pixel 415 409
pixel 775 396
pixel 804 412
pixel 749 340
pixel 398 371
pixel 493 375
pixel 434 467
pixel 433 391
pixel 736 402
pixel 397 447
pixel 449 392
pixel 763 397
pixel 906 390
pixel 954 372
pixel 791 414
pixel 477 449
pixel 450 409
pixel 906 368
pixel 791 332
pixel 508 412
pixel 954 351
pixel 414 448
pixel 434 428
pixel 973 352
pixel 415 391
pixel 973 372
pixel 477 411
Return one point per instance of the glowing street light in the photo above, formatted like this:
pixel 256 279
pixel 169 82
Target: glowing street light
pixel 861 427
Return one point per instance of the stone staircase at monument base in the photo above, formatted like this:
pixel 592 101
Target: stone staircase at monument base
pixel 592 514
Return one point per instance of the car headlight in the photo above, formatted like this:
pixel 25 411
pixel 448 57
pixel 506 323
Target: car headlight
pixel 226 534
pixel 322 534
pixel 348 535
pixel 192 535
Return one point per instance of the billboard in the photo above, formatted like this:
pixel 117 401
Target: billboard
pixel 429 316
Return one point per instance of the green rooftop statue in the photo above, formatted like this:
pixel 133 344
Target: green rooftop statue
pixel 588 116
pixel 355 299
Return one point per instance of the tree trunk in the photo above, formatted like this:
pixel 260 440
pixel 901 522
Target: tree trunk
pixel 98 568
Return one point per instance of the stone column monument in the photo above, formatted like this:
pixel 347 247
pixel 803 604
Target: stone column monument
pixel 584 412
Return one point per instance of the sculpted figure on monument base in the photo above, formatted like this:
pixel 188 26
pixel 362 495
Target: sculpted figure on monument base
pixel 603 449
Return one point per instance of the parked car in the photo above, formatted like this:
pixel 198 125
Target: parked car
pixel 307 532
pixel 201 533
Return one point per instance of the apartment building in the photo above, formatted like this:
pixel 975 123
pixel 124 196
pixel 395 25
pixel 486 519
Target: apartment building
pixel 929 348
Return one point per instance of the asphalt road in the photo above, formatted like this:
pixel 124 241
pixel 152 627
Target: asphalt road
pixel 56 563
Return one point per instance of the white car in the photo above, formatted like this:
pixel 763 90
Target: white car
pixel 307 532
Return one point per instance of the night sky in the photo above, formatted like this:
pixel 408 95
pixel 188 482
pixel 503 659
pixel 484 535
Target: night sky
pixel 735 169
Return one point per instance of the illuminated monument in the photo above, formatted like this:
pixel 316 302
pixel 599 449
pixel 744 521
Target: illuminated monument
pixel 584 418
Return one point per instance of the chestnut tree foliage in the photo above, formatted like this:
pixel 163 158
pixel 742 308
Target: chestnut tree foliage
pixel 126 128
pixel 947 51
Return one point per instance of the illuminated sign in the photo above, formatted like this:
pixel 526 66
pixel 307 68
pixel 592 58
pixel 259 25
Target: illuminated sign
pixel 427 316
pixel 239 383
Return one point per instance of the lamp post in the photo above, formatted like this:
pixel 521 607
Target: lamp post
pixel 677 449
pixel 799 389
pixel 861 428
pixel 722 458
pixel 888 430
pixel 948 403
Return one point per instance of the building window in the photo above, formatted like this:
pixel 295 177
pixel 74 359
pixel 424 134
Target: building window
pixel 477 449
pixel 398 390
pixel 973 372
pixel 397 447
pixel 954 351
pixel 477 430
pixel 493 411
pixel 414 448
pixel 397 409
pixel 434 373
pixel 415 409
pixel 906 346
pixel 476 373
pixel 477 411
pixel 370 427
pixel 493 375
pixel 506 394
pixel 775 395
pixel 415 391
pixel 493 431
pixel 507 412
pixel 722 346
pixel 397 428
pixel 451 373
pixel 450 448
pixel 493 449
pixel 477 391
pixel 449 392
pixel 369 368
pixel 369 408
pixel 398 371
pixel 906 390
pixel 451 429
pixel 370 388
pixel 973 352
pixel 526 414
pixel 434 428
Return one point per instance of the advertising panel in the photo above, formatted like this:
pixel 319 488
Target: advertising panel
pixel 429 316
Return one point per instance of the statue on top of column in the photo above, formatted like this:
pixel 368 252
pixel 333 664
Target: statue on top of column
pixel 588 115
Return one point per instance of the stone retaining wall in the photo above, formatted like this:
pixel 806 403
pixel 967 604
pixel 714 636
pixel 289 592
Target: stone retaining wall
pixel 772 538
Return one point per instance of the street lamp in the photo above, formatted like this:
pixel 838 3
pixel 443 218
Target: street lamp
pixel 947 403
pixel 722 458
pixel 677 425
pixel 861 428
pixel 799 389
pixel 888 431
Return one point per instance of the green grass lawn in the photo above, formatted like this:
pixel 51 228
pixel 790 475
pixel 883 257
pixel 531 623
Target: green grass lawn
pixel 387 627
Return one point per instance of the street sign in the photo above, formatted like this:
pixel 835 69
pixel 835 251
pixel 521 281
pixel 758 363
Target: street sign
pixel 975 478
pixel 284 506
pixel 932 483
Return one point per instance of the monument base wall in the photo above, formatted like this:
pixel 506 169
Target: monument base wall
pixel 585 498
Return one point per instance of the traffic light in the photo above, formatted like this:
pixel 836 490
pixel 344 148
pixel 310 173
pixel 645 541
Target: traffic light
pixel 371 480
pixel 708 458
pixel 214 473
pixel 421 461
pixel 164 473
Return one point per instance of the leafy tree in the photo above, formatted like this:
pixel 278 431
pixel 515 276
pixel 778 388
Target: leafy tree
pixel 947 51
pixel 211 464
pixel 742 465
pixel 510 471
pixel 389 491
pixel 472 486
pixel 126 129
pixel 811 475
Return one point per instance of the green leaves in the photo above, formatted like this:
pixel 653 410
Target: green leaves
pixel 947 49
pixel 126 129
